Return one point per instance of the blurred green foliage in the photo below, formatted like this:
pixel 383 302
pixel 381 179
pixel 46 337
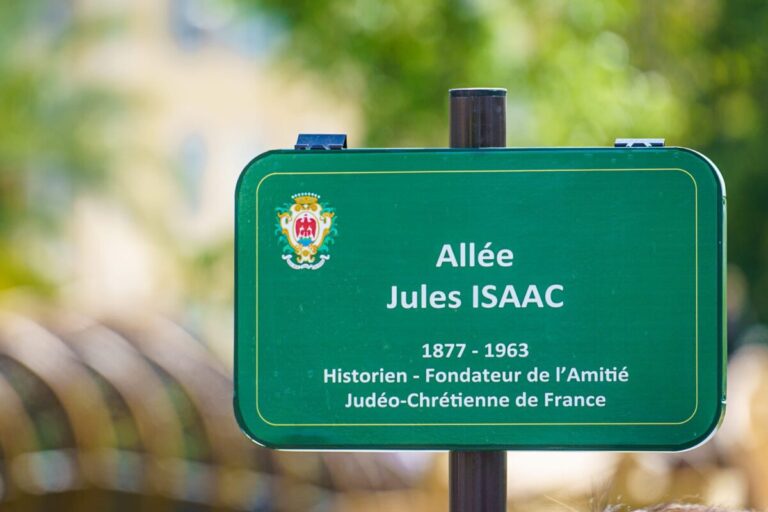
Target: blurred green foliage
pixel 50 140
pixel 578 73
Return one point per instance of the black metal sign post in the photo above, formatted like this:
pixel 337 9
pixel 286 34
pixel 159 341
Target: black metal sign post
pixel 478 479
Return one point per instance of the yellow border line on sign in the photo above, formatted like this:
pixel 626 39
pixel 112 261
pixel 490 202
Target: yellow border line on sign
pixel 492 424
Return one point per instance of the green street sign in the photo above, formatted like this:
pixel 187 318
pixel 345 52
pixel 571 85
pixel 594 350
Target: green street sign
pixel 480 299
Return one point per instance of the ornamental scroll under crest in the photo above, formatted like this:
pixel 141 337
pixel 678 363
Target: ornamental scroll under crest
pixel 306 228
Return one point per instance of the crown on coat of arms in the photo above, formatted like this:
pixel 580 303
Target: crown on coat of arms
pixel 304 198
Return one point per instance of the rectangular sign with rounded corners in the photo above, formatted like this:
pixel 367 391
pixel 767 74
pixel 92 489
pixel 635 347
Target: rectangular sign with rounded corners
pixel 480 299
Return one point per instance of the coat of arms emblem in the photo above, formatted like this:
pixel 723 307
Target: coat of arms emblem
pixel 306 228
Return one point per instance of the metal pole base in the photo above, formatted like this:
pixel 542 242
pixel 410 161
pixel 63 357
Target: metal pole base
pixel 478 481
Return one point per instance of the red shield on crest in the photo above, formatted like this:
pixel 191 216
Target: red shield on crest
pixel 305 227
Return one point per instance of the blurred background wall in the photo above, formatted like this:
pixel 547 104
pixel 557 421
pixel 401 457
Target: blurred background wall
pixel 123 128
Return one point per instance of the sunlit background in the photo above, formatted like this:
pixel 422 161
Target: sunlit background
pixel 123 127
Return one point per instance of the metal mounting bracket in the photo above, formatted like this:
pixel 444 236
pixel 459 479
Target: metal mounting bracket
pixel 638 143
pixel 308 141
